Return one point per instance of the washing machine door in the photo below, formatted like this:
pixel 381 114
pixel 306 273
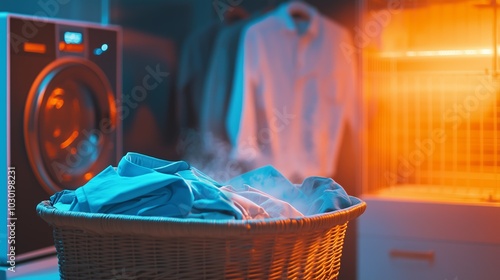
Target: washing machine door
pixel 70 124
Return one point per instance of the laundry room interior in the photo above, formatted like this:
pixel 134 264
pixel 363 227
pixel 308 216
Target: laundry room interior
pixel 250 139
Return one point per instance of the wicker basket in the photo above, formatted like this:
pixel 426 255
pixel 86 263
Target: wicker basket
pixel 106 246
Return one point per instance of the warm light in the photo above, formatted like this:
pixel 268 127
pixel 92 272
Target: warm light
pixel 70 140
pixel 71 47
pixel 431 101
pixel 485 51
pixel 56 133
pixel 432 53
pixel 55 100
pixel 34 47
pixel 88 176
pixel 51 149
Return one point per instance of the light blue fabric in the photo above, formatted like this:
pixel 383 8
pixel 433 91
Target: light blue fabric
pixel 257 204
pixel 219 80
pixel 323 195
pixel 193 68
pixel 315 195
pixel 146 186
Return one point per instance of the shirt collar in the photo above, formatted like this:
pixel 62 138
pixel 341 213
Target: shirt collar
pixel 284 14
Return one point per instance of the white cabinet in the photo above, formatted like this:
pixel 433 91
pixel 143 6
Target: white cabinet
pixel 388 258
pixel 404 239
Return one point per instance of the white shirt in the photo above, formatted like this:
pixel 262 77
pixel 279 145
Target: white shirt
pixel 293 91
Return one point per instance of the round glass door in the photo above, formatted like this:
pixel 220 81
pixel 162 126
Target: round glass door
pixel 70 124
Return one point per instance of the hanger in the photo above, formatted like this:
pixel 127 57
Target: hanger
pixel 298 13
pixel 235 14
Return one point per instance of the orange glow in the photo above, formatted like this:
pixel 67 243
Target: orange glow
pixel 88 176
pixel 71 47
pixel 34 47
pixel 430 53
pixel 51 149
pixel 113 111
pixel 55 100
pixel 70 140
pixel 432 101
pixel 56 133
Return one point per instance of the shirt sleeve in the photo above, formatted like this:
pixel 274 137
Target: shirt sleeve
pixel 214 89
pixel 240 112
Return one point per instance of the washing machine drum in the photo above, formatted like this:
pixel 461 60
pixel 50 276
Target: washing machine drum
pixel 70 124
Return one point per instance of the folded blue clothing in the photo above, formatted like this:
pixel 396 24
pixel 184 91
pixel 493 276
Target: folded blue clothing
pixel 146 186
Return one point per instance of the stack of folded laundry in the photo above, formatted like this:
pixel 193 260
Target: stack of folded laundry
pixel 147 186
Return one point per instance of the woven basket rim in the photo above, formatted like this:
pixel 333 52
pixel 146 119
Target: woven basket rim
pixel 166 226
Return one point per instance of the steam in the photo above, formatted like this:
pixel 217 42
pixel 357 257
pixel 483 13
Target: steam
pixel 272 182
pixel 211 155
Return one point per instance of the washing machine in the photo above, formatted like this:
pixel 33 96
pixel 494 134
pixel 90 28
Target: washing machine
pixel 59 122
